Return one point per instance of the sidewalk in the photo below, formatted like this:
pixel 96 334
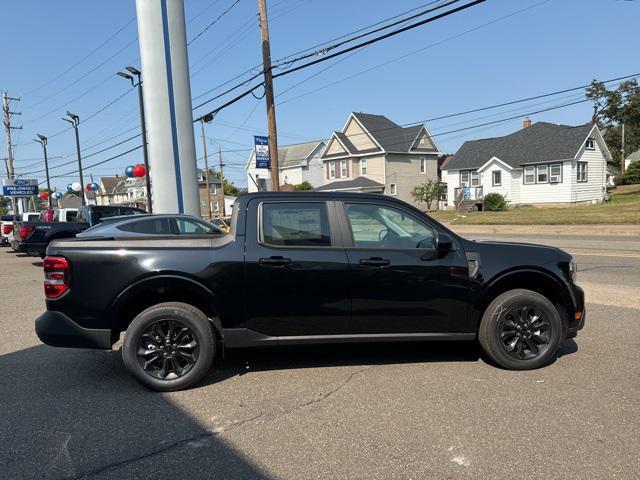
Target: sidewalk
pixel 560 230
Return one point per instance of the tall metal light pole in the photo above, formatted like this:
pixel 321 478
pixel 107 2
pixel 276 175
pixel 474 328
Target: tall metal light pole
pixel 143 126
pixel 207 119
pixel 42 140
pixel 75 121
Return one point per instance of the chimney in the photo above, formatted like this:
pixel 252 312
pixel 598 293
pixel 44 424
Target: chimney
pixel 526 123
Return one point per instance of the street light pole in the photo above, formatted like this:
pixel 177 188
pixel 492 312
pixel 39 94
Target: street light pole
pixel 42 140
pixel 206 168
pixel 143 126
pixel 75 121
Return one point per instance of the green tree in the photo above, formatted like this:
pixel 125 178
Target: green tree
pixel 428 192
pixel 4 205
pixel 632 175
pixel 303 187
pixel 612 108
pixel 230 189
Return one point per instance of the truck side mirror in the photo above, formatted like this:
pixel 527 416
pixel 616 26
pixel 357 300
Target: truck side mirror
pixel 444 243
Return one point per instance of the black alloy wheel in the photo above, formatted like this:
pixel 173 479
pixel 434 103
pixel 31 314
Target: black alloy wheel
pixel 167 350
pixel 524 332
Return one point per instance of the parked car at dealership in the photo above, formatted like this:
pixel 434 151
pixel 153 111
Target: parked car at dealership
pixel 306 268
pixel 34 237
pixel 6 229
pixel 149 224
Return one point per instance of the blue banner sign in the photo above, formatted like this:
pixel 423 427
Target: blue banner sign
pixel 262 152
pixel 20 187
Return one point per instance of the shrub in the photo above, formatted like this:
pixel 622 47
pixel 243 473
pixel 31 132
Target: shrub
pixel 494 202
pixel 303 187
pixel 632 175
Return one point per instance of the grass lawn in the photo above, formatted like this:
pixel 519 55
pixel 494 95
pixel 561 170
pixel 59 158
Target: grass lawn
pixel 624 208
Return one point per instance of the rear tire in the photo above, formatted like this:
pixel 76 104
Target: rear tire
pixel 521 330
pixel 169 346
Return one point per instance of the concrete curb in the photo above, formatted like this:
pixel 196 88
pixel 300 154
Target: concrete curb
pixel 560 230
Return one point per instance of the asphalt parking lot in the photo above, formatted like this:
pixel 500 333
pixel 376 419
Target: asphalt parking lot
pixel 378 411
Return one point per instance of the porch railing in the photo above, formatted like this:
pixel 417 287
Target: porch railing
pixel 468 193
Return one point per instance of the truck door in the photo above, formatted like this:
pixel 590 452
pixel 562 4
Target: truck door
pixel 400 282
pixel 296 269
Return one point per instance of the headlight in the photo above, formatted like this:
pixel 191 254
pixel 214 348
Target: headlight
pixel 573 271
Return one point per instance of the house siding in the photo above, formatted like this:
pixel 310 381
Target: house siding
pixel 594 188
pixel 540 193
pixel 404 171
pixel 486 180
pixel 375 168
pixel 358 137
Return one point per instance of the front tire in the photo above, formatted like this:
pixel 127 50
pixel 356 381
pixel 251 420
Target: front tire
pixel 521 330
pixel 169 346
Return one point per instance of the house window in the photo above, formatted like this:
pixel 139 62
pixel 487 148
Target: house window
pixel 214 190
pixel 332 169
pixel 343 168
pixel 392 189
pixel 591 144
pixel 555 173
pixel 542 173
pixel 216 206
pixel 529 175
pixel 423 165
pixel 496 178
pixel 464 178
pixel 363 167
pixel 475 179
pixel 583 172
pixel 469 178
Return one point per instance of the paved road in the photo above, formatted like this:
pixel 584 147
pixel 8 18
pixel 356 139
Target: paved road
pixel 381 411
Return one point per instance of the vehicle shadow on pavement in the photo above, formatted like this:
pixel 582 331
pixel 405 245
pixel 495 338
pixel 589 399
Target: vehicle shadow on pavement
pixel 241 361
pixel 71 414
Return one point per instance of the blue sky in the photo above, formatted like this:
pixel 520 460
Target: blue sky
pixel 448 66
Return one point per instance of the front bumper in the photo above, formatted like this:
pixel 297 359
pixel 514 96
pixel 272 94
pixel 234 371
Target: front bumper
pixel 579 306
pixel 58 330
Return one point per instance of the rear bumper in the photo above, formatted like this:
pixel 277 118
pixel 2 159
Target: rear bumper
pixel 58 330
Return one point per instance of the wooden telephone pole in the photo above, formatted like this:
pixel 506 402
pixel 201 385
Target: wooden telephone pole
pixel 268 95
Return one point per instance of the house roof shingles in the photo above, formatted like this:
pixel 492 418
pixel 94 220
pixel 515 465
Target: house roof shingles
pixel 391 136
pixel 297 154
pixel 358 182
pixel 541 142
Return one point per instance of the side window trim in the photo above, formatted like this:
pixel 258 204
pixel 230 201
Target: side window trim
pixel 349 242
pixel 334 228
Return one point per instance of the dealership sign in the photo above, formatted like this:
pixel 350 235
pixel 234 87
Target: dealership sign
pixel 20 187
pixel 262 152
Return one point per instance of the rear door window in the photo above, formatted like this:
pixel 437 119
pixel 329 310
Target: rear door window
pixel 153 226
pixel 295 224
pixel 194 227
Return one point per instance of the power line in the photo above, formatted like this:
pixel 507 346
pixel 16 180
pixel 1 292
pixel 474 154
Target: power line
pixel 202 32
pixel 111 37
pixel 333 55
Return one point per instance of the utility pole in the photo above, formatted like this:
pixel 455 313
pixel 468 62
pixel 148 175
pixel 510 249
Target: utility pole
pixel 7 113
pixel 622 153
pixel 42 140
pixel 268 95
pixel 206 168
pixel 221 179
pixel 75 121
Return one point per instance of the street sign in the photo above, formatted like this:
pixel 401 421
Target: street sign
pixel 20 187
pixel 262 152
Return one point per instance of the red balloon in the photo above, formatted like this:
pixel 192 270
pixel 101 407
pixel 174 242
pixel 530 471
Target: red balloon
pixel 43 195
pixel 139 171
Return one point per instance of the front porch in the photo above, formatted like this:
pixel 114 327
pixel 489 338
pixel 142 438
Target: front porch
pixel 469 199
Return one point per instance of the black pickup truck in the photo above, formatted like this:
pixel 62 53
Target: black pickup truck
pixel 34 237
pixel 302 268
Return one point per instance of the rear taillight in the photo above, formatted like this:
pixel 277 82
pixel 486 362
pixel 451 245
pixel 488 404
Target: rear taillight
pixel 56 276
pixel 25 231
pixel 7 229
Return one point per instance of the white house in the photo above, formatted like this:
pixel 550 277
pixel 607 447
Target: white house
pixel 297 163
pixel 634 157
pixel 543 163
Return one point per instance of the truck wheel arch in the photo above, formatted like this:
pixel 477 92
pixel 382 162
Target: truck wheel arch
pixel 539 281
pixel 162 288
